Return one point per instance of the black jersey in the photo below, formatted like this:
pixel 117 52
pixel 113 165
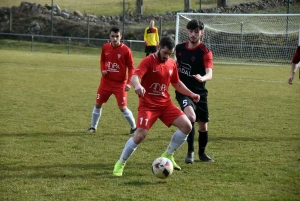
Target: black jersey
pixel 193 62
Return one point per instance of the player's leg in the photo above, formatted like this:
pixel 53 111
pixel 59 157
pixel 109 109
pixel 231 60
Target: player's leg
pixel 102 97
pixel 147 51
pixel 174 116
pixel 153 49
pixel 189 112
pixel 121 97
pixel 202 110
pixel 147 119
pixel 187 106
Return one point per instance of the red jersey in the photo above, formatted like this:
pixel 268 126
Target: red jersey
pixel 296 58
pixel 116 60
pixel 156 77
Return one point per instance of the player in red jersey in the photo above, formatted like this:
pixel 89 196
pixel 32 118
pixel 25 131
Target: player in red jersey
pixel 116 60
pixel 295 61
pixel 156 72
pixel 195 66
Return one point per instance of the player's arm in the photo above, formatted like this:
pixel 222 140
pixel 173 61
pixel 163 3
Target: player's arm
pixel 157 37
pixel 208 64
pixel 293 71
pixel 181 88
pixel 294 67
pixel 138 88
pixel 145 36
pixel 206 77
pixel 130 67
pixel 102 63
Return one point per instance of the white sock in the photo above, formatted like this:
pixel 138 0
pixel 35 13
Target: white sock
pixel 129 117
pixel 176 141
pixel 96 114
pixel 128 150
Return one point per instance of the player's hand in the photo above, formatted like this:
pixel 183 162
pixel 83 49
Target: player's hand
pixel 140 90
pixel 195 97
pixel 290 80
pixel 127 87
pixel 146 44
pixel 104 72
pixel 199 78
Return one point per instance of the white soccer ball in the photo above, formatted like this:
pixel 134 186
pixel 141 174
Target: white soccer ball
pixel 162 167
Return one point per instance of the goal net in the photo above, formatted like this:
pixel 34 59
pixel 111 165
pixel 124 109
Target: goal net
pixel 246 38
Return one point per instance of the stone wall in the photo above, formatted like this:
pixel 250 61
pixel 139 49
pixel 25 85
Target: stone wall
pixel 33 18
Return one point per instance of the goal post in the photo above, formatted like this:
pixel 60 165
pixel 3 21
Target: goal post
pixel 264 39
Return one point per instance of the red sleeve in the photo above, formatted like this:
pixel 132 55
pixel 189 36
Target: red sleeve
pixel 208 60
pixel 130 65
pixel 296 58
pixel 143 67
pixel 102 59
pixel 175 76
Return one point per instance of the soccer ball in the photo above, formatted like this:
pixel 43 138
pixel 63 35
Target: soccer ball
pixel 162 167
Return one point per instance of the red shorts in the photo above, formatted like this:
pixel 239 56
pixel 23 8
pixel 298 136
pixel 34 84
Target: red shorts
pixel 146 118
pixel 105 91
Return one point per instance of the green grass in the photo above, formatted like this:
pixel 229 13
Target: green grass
pixel 99 7
pixel 46 103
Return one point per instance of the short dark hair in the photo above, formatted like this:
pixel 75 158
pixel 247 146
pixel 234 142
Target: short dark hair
pixel 194 24
pixel 167 41
pixel 114 29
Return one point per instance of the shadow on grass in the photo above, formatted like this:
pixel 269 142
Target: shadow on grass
pixel 163 137
pixel 62 134
pixel 57 171
pixel 68 171
pixel 142 183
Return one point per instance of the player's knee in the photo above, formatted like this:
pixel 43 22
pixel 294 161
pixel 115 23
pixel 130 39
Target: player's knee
pixel 122 108
pixel 139 136
pixel 98 105
pixel 187 127
pixel 191 117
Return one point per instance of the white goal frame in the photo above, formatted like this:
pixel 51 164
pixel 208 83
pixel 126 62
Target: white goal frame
pixel 264 39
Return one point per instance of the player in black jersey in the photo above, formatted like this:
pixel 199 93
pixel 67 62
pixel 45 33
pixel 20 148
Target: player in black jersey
pixel 195 66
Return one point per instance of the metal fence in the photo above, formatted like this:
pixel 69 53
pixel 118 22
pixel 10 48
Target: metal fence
pixel 69 42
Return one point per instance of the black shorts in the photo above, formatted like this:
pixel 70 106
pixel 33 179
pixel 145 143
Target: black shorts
pixel 200 108
pixel 150 49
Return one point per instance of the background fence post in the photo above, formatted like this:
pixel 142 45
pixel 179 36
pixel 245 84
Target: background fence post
pixel 160 27
pixel 52 18
pixel 32 46
pixel 69 41
pixel 123 31
pixel 10 20
pixel 88 26
pixel 241 47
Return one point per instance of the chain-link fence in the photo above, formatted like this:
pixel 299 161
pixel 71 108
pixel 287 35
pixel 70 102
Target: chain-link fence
pixel 66 44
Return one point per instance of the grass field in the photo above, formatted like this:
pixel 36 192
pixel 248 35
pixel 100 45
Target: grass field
pixel 46 103
pixel 100 7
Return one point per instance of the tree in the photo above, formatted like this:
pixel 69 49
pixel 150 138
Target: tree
pixel 222 3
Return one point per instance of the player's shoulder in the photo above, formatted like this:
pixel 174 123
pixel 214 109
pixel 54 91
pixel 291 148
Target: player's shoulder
pixel 204 48
pixel 125 47
pixel 105 45
pixel 180 46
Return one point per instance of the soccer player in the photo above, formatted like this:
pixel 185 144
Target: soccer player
pixel 195 66
pixel 151 38
pixel 295 61
pixel 156 72
pixel 116 60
